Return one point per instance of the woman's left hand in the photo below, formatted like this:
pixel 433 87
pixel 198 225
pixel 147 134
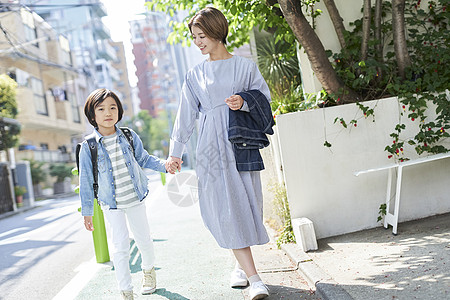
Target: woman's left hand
pixel 234 102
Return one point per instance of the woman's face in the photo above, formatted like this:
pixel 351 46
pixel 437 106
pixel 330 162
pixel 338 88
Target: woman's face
pixel 206 44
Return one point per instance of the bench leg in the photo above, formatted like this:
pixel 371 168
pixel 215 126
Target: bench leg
pixel 397 199
pixel 388 198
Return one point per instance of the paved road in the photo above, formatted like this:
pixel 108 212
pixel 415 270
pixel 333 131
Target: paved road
pixel 41 248
pixel 47 254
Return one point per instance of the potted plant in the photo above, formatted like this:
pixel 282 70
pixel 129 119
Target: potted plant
pixel 19 191
pixel 61 172
pixel 38 175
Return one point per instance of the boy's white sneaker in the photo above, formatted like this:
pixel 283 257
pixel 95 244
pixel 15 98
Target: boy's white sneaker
pixel 258 290
pixel 148 282
pixel 127 295
pixel 238 278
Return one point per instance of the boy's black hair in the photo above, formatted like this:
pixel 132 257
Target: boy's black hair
pixel 95 99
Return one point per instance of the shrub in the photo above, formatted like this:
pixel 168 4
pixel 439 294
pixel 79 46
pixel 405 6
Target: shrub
pixel 60 171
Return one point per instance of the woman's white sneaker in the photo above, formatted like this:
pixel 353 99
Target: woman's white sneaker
pixel 238 278
pixel 258 290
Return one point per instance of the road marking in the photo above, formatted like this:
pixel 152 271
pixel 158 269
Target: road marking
pixel 86 271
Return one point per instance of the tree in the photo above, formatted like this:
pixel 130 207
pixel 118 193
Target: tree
pixel 141 124
pixel 378 30
pixel 398 26
pixel 366 29
pixel 337 20
pixel 152 131
pixel 9 128
pixel 291 24
pixel 282 73
pixel 352 77
pixel 317 56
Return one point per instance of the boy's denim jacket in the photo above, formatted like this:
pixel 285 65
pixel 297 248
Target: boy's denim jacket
pixel 106 189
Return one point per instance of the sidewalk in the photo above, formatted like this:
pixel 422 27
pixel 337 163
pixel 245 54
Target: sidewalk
pixel 370 264
pixel 374 264
pixel 189 264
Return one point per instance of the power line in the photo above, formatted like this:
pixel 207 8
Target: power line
pixel 14 7
pixel 32 58
pixel 49 5
pixel 15 46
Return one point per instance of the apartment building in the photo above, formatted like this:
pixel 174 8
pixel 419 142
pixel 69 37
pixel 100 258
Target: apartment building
pixel 40 61
pixel 90 40
pixel 122 85
pixel 156 68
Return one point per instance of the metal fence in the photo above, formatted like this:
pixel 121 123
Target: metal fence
pixel 6 202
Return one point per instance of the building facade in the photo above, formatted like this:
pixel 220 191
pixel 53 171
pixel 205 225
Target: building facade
pixel 158 82
pixel 122 85
pixel 40 61
pixel 90 41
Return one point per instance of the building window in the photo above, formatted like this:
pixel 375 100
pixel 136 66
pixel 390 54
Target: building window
pixel 40 101
pixel 22 77
pixel 65 47
pixel 74 107
pixel 29 27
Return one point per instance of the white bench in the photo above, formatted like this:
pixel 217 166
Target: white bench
pixel 392 219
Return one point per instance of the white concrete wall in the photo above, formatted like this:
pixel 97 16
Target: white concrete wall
pixel 320 181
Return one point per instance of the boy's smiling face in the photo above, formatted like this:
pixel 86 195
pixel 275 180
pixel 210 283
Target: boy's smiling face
pixel 106 116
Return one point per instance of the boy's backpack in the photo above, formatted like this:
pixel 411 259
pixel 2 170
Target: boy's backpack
pixel 93 148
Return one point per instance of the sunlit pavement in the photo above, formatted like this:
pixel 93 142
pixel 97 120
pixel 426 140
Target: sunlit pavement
pixel 189 264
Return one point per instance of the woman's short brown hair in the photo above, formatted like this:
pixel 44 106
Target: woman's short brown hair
pixel 212 22
pixel 95 99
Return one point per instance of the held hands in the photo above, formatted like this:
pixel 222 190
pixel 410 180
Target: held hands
pixel 234 102
pixel 88 223
pixel 173 164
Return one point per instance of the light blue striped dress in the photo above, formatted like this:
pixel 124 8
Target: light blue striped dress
pixel 231 202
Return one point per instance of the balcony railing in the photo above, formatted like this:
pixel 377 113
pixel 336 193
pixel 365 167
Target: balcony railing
pixel 53 156
pixel 99 9
pixel 100 29
pixel 105 50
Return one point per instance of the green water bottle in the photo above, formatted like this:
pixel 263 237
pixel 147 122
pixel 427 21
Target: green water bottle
pixel 99 235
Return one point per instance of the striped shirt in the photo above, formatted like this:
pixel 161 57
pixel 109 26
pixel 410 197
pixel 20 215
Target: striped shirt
pixel 124 189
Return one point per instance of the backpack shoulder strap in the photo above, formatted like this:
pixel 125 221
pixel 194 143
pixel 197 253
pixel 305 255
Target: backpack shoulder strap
pixel 92 143
pixel 127 132
pixel 77 156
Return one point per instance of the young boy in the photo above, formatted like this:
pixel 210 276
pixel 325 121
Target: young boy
pixel 122 187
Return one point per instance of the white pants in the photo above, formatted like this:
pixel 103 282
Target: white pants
pixel 137 219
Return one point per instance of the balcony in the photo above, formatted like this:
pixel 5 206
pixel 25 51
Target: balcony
pixel 53 156
pixel 101 30
pixel 98 9
pixel 105 50
pixel 59 118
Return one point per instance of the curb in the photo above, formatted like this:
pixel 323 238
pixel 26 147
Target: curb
pixel 36 204
pixel 326 287
pixel 16 212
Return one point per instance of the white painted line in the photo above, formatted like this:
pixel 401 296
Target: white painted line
pixel 85 272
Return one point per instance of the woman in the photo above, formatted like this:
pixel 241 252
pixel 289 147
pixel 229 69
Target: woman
pixel 230 201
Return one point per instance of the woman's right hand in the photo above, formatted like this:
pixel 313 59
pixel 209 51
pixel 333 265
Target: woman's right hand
pixel 175 163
